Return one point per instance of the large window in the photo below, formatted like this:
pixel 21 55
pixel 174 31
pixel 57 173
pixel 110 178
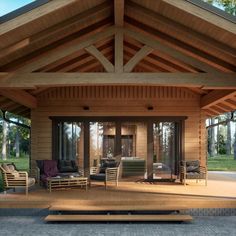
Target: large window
pixel 70 141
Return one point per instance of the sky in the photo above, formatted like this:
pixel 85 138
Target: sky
pixel 7 6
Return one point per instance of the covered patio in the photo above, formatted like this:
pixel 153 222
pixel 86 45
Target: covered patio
pixel 124 80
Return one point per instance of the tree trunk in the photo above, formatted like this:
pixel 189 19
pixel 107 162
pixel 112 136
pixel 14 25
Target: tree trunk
pixel 218 138
pixel 228 140
pixel 4 140
pixel 17 144
pixel 212 139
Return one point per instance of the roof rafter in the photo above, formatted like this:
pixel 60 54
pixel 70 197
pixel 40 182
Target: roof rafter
pixel 194 52
pixel 171 51
pixel 72 24
pixel 34 14
pixel 203 14
pixel 77 45
pixel 20 97
pixel 182 29
pixel 215 97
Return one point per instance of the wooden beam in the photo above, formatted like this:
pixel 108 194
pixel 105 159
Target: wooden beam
pixel 226 106
pixel 103 60
pixel 142 53
pixel 119 51
pixel 215 97
pixel 70 26
pixel 180 28
pixel 231 102
pixel 158 58
pixel 184 47
pixel 171 51
pixel 77 45
pixel 34 14
pixel 20 96
pixel 119 12
pixel 198 80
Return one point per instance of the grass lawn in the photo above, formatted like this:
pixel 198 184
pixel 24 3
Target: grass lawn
pixel 21 163
pixel 223 163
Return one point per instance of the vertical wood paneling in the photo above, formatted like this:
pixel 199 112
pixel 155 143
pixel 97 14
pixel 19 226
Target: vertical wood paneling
pixel 119 101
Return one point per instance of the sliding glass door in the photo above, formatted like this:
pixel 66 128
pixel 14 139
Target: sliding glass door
pixel 70 142
pixel 102 142
pixel 164 150
pixel 146 147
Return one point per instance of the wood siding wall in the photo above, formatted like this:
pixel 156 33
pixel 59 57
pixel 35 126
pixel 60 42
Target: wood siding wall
pixel 118 101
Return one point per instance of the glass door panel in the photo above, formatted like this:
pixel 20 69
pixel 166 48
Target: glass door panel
pixel 102 142
pixel 164 140
pixel 133 149
pixel 71 143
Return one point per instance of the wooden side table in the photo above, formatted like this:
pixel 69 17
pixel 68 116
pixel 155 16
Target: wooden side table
pixel 66 182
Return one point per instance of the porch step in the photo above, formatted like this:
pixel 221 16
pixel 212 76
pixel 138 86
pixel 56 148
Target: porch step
pixel 107 208
pixel 117 218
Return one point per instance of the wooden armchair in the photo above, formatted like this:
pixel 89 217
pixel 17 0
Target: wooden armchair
pixel 192 170
pixel 15 179
pixel 111 175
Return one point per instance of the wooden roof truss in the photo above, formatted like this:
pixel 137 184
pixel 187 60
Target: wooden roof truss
pixel 132 42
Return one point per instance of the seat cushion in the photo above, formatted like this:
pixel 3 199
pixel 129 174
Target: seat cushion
pixel 67 166
pixel 192 166
pixel 9 167
pixel 100 177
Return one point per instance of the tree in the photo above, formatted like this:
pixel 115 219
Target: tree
pixel 228 136
pixel 4 140
pixel 235 143
pixel 211 139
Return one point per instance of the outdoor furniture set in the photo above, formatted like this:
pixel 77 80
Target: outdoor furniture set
pixel 51 174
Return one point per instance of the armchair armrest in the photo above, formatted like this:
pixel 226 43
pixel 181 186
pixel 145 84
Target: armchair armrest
pixel 94 170
pixel 203 169
pixel 23 174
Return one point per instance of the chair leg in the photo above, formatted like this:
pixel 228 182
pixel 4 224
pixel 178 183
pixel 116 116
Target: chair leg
pixel 26 191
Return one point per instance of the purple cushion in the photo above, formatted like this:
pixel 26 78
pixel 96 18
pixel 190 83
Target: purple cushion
pixel 50 168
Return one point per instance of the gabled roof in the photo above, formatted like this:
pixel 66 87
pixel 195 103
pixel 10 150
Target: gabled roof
pixel 165 35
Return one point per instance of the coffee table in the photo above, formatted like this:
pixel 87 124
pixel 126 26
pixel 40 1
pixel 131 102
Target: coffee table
pixel 66 182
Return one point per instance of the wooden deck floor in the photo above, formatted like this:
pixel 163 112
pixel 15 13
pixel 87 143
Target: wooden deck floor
pixel 218 194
